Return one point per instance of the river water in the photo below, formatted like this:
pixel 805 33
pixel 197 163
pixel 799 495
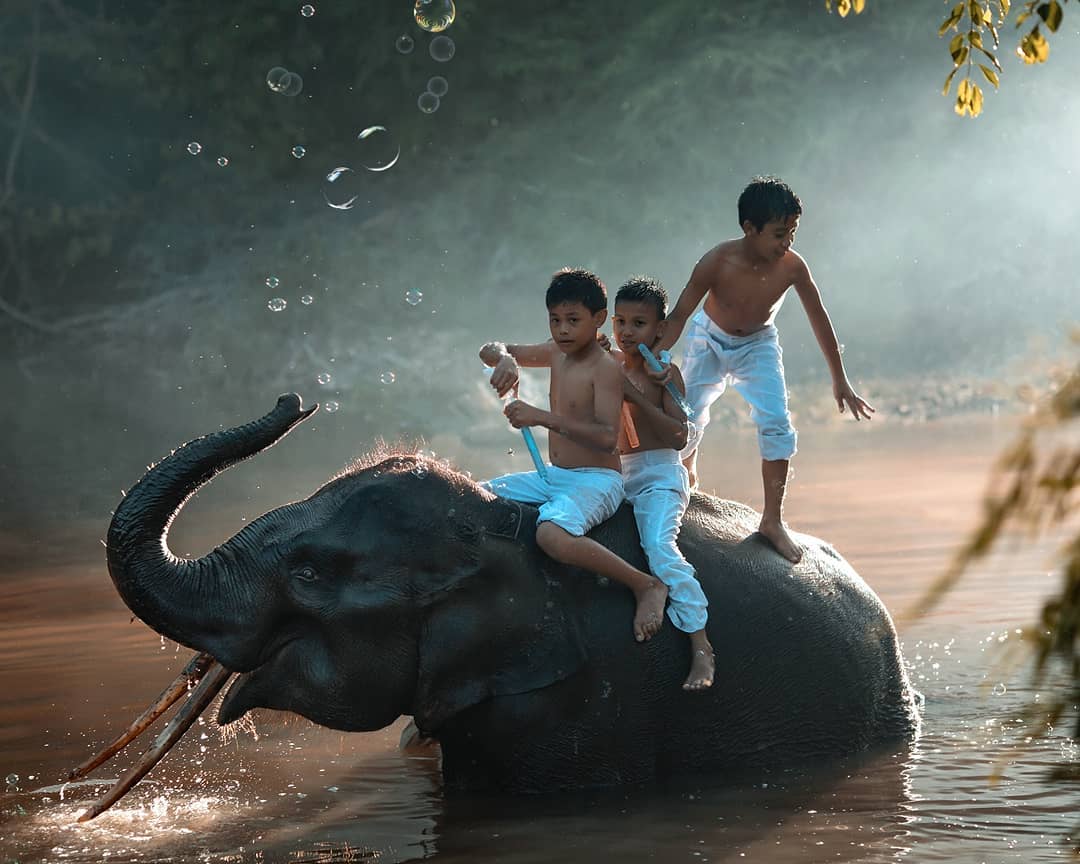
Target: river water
pixel 894 499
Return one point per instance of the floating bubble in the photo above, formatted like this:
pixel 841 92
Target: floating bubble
pixel 291 84
pixel 194 148
pixel 307 299
pixel 275 78
pixel 277 304
pixel 340 190
pixel 298 152
pixel 434 15
pixel 438 85
pixel 1000 689
pixel 442 48
pixel 388 377
pixel 413 296
pixel 307 10
pixel 379 151
pixel 222 161
pixel 323 378
pixel 11 779
pixel 428 102
pixel 272 281
pixel 331 406
pixel 404 44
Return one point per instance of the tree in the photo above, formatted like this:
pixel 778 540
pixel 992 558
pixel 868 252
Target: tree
pixel 971 21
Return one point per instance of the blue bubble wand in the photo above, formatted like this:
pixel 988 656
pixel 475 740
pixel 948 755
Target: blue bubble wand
pixel 530 444
pixel 654 364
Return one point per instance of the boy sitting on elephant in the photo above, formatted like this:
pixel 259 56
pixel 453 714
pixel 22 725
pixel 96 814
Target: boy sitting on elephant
pixel 657 484
pixel 584 484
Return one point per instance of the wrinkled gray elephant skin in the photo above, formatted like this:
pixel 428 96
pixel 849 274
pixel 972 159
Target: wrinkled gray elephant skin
pixel 402 588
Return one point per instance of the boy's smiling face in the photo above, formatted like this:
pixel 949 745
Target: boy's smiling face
pixel 573 326
pixel 772 242
pixel 636 321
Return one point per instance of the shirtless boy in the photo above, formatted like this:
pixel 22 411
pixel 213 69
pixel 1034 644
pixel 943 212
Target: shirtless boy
pixel 584 484
pixel 743 282
pixel 656 482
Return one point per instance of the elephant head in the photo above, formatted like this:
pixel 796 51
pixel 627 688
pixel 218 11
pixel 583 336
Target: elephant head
pixel 399 587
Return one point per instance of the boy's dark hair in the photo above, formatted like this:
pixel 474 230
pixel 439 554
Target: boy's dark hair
pixel 644 289
pixel 576 285
pixel 767 199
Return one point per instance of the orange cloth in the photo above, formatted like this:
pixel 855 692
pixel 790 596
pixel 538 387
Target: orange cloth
pixel 628 426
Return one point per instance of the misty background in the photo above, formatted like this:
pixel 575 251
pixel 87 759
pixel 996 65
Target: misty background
pixel 134 305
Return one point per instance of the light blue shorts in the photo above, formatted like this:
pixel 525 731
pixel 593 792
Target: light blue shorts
pixel 755 367
pixel 575 499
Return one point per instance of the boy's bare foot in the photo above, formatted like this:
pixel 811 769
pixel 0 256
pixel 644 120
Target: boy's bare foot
pixel 702 664
pixel 649 617
pixel 778 535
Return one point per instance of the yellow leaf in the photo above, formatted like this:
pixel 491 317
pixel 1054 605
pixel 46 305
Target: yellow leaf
pixel 1004 5
pixel 1034 48
pixel 1051 14
pixel 956 45
pixel 975 38
pixel 948 81
pixel 843 7
pixel 976 101
pixel 859 6
pixel 990 75
pixel 960 107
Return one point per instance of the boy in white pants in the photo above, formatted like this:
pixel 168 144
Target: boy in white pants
pixel 657 485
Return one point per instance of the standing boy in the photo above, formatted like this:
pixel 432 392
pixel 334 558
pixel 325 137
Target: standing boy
pixel 743 282
pixel 584 483
pixel 656 482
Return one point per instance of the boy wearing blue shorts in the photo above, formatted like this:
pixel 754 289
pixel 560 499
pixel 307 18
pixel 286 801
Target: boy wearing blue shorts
pixel 732 338
pixel 584 484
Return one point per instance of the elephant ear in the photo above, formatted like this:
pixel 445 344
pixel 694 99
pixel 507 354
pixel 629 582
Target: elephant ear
pixel 508 629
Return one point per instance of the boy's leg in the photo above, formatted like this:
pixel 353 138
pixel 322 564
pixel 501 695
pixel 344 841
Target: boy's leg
pixel 584 552
pixel 702 662
pixel 760 381
pixel 704 372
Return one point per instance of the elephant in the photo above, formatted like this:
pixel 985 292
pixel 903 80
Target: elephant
pixel 402 587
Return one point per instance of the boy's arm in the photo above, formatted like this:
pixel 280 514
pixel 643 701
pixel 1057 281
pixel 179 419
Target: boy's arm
pixel 668 422
pixel 599 434
pixel 507 358
pixel 688 301
pixel 843 392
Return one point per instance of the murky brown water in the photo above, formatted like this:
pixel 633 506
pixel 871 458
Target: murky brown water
pixel 894 500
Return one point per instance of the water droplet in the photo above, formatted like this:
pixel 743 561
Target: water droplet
pixel 222 161
pixel 307 299
pixel 275 78
pixel 427 102
pixel 194 148
pixel 841 349
pixel 434 15
pixel 438 85
pixel 331 406
pixel 11 779
pixel 442 49
pixel 413 296
pixel 323 378
pixel 272 281
pixel 404 44
pixel 277 304
pixel 307 10
pixel 388 377
pixel 378 150
pixel 298 152
pixel 510 451
pixel 1000 689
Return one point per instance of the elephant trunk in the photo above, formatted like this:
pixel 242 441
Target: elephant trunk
pixel 204 603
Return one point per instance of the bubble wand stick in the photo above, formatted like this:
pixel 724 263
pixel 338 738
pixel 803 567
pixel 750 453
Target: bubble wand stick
pixel 530 444
pixel 654 364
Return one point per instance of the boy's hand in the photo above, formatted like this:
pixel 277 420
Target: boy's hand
pixel 844 394
pixel 602 338
pixel 521 414
pixel 661 377
pixel 504 377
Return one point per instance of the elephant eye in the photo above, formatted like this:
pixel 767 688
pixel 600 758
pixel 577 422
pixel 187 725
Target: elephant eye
pixel 306 574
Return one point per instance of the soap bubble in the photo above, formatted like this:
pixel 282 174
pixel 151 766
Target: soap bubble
pixel 307 299
pixel 272 281
pixel 277 304
pixel 291 84
pixel 434 15
pixel 438 85
pixel 331 406
pixel 404 44
pixel 298 151
pixel 428 102
pixel 340 189
pixel 441 48
pixel 11 779
pixel 379 150
pixel 388 377
pixel 1000 689
pixel 307 10
pixel 194 148
pixel 323 378
pixel 275 78
pixel 222 161
pixel 413 296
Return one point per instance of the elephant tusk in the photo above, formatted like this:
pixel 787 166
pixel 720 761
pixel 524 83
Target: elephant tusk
pixel 210 685
pixel 190 675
